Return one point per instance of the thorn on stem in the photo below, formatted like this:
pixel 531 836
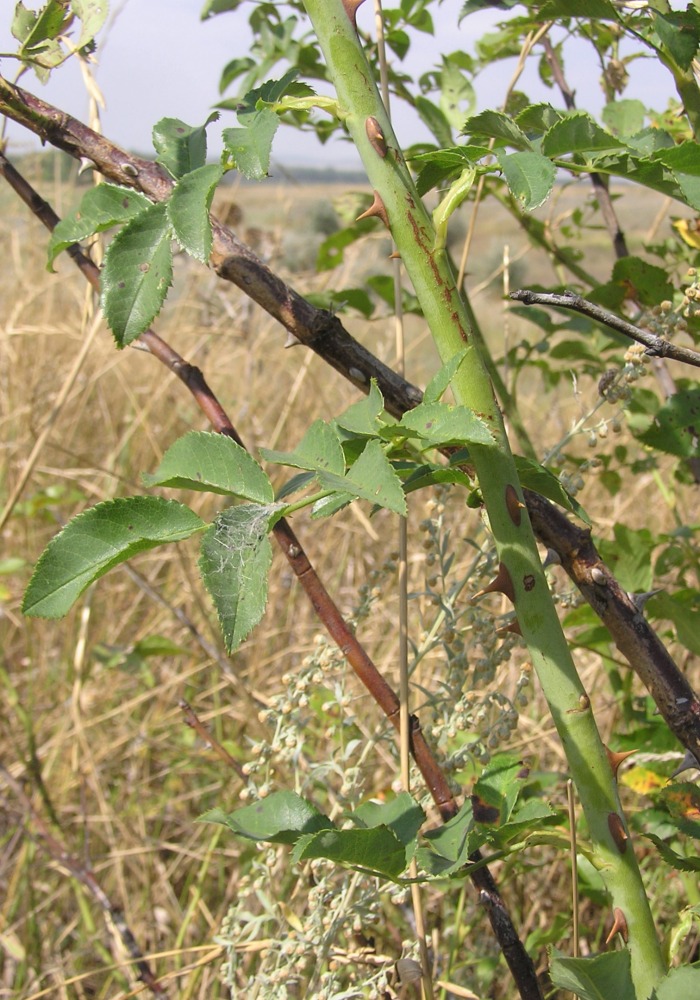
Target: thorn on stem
pixel 376 209
pixel 376 136
pixel 291 340
pixel 615 759
pixel 351 7
pixel 514 505
pixel 618 832
pixel 619 926
pixel 502 583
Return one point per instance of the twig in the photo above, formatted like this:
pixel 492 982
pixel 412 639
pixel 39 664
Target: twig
pixel 600 184
pixel 656 346
pixel 193 720
pixel 519 961
pixel 70 863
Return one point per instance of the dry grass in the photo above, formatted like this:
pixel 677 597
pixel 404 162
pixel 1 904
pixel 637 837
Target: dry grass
pixel 120 773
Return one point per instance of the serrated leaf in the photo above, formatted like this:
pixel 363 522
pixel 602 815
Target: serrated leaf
pixel 250 147
pixel 234 563
pixel 598 978
pixel 538 118
pixel 92 16
pixel 280 818
pixel 454 840
pixel 181 147
pixel 685 618
pixel 496 791
pixel 212 463
pixel 376 850
pixel 671 857
pixel 676 426
pixel 578 133
pixel 440 424
pixel 137 274
pixel 363 417
pixel 98 539
pixel 319 449
pixel 682 982
pixel 188 210
pixel 624 117
pixel 438 384
pixel 530 177
pixel 535 477
pixel 101 208
pixel 402 815
pixel 371 477
pixel 679 32
pixel 497 125
pixel 34 28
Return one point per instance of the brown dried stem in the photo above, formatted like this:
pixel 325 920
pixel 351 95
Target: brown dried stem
pixel 83 874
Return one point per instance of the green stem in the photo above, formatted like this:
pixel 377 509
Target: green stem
pixel 521 573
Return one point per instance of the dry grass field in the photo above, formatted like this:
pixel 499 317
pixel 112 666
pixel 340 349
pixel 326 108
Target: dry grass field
pixel 94 748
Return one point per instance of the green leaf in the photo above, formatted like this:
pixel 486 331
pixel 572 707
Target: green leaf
pixel 530 177
pixel 188 210
pixel 454 840
pixel 647 282
pixel 682 982
pixel 496 125
pixel 101 208
pixel 98 539
pixel 319 450
pixel 456 92
pixel 535 477
pixel 676 426
pixel 440 424
pixel 181 147
pixel 677 861
pixel 598 978
pixel 438 384
pixel 402 815
pixel 602 10
pixel 234 563
pixel 578 133
pixel 212 463
pixel 371 477
pixel 538 118
pixel 684 161
pixel 33 28
pixel 250 147
pixel 363 417
pixel 137 273
pixel 376 850
pixel 496 791
pixel 625 117
pixel 280 818
pixel 92 16
pixel 213 7
pixel 685 618
pixel 434 118
pixel 679 32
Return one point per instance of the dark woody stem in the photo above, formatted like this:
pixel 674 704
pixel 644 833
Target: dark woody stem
pixel 326 609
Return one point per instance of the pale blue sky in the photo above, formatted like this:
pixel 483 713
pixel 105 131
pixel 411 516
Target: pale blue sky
pixel 157 59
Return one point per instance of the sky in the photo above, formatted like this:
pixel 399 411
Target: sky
pixel 157 59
